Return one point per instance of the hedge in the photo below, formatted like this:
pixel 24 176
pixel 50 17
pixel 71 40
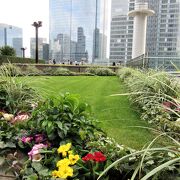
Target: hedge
pixel 6 59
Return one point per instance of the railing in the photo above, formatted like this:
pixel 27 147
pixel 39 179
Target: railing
pixel 158 63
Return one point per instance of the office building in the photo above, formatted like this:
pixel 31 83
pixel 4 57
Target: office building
pixel 46 52
pixel 41 42
pixel 11 36
pixel 121 31
pixel 72 27
pixel 163 31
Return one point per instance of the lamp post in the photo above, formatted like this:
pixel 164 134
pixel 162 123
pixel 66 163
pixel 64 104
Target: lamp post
pixel 23 51
pixel 37 25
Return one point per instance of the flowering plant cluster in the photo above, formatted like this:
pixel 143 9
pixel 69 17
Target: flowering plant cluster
pixel 168 106
pixel 38 138
pixel 96 156
pixel 35 154
pixel 64 166
pixel 20 117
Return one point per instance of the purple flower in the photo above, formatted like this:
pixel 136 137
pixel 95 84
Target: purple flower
pixel 26 139
pixel 39 138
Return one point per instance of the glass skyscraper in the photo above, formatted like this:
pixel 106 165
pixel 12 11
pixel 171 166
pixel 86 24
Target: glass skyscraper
pixel 76 28
pixel 11 36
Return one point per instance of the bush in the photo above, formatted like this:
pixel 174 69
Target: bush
pixel 7 51
pixel 48 71
pixel 100 71
pixel 10 59
pixel 66 118
pixel 15 95
pixel 10 70
pixel 155 95
pixel 62 71
pixel 32 70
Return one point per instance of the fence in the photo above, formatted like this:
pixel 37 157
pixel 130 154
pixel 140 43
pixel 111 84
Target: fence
pixel 158 63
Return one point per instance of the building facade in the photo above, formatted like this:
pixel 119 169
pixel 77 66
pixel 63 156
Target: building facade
pixel 121 31
pixel 41 42
pixel 75 26
pixel 163 31
pixel 11 36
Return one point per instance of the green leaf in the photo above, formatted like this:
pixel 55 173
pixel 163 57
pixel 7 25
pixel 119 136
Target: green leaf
pixel 37 166
pixel 32 177
pixel 2 160
pixel 60 125
pixel 44 172
pixel 4 145
pixel 159 168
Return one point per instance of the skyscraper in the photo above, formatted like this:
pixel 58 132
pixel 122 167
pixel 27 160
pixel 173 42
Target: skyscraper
pixel 163 30
pixel 11 36
pixel 41 42
pixel 72 26
pixel 121 31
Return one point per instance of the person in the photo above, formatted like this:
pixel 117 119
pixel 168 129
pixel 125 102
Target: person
pixel 54 61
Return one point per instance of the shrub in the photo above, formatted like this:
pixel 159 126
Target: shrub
pixel 62 71
pixel 66 118
pixel 156 95
pixel 10 70
pixel 15 95
pixel 7 59
pixel 7 51
pixel 32 70
pixel 48 71
pixel 100 71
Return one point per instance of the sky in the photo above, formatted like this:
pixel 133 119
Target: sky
pixel 22 13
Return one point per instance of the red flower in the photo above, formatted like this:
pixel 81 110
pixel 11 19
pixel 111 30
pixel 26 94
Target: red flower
pixel 88 157
pixel 97 157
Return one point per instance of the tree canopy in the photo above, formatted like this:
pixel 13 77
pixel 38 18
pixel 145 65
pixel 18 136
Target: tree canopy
pixel 7 51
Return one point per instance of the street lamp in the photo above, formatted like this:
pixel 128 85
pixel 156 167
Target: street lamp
pixel 23 51
pixel 37 25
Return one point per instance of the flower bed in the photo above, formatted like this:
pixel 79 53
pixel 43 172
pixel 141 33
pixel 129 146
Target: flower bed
pixel 60 139
pixel 156 96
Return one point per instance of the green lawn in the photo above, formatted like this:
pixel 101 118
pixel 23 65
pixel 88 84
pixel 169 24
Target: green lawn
pixel 115 113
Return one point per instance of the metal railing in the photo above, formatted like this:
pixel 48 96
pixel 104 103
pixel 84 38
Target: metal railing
pixel 158 63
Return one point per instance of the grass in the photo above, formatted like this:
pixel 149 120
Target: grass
pixel 115 113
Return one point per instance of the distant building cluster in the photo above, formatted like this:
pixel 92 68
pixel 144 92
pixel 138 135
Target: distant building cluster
pixel 78 31
pixel 163 29
pixel 11 36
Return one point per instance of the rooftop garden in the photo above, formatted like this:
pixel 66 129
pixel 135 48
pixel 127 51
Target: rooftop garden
pixel 88 127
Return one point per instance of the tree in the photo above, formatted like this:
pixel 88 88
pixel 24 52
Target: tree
pixel 7 51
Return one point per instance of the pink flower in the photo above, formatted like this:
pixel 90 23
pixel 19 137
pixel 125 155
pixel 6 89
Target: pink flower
pixel 26 139
pixel 39 138
pixel 35 151
pixel 20 118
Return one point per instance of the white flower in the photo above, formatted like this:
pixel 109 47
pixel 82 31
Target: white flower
pixel 8 117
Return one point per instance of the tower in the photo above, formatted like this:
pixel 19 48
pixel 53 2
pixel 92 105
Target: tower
pixel 140 14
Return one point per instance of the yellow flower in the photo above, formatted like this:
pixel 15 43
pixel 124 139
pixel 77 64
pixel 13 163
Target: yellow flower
pixel 70 152
pixel 73 158
pixel 8 117
pixel 55 173
pixel 65 172
pixel 63 163
pixel 63 149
